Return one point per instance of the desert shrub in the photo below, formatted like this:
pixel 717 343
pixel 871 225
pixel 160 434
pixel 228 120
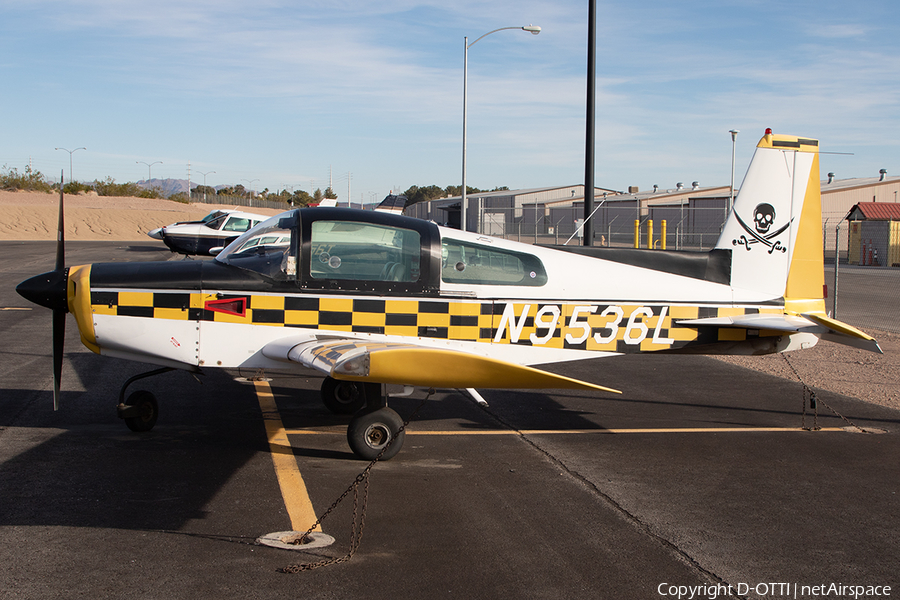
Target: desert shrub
pixel 11 179
pixel 151 193
pixel 109 187
pixel 76 187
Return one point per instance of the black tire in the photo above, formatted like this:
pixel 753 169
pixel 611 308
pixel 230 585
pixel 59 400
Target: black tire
pixel 148 409
pixel 343 397
pixel 373 429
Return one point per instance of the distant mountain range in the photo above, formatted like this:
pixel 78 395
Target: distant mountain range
pixel 172 186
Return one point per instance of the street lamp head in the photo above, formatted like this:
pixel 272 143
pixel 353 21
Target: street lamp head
pixel 534 29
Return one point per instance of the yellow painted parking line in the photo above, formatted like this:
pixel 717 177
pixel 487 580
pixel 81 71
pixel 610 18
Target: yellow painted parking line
pixel 293 488
pixel 582 431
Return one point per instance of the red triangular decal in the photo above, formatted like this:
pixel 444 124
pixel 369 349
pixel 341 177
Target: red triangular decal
pixel 229 306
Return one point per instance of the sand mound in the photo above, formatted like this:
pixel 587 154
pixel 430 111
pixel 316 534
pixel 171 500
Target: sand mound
pixel 33 216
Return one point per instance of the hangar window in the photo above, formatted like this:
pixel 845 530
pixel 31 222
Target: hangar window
pixel 465 262
pixel 364 251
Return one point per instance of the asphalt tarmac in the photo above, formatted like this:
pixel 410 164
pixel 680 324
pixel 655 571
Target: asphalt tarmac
pixel 698 475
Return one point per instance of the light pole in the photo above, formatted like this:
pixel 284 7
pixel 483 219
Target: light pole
pixel 149 177
pixel 71 152
pixel 534 30
pixel 250 183
pixel 204 184
pixel 733 133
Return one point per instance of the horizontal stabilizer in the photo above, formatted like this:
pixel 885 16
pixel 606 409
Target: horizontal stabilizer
pixel 778 322
pixel 423 366
pixel 842 333
pixel 819 325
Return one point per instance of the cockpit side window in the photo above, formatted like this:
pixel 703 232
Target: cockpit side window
pixel 269 249
pixel 352 250
pixel 237 224
pixel 468 263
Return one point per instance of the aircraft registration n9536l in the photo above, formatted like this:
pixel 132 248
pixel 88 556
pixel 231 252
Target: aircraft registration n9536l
pixel 372 298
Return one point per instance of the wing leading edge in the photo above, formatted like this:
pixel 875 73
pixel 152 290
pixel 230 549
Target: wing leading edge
pixel 421 366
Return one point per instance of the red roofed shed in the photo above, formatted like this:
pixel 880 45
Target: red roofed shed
pixel 874 234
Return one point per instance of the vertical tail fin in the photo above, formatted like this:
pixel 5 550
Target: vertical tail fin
pixel 775 229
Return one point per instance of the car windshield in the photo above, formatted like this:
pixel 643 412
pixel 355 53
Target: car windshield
pixel 264 249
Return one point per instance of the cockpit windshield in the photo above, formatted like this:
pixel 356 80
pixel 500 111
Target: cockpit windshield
pixel 214 219
pixel 265 249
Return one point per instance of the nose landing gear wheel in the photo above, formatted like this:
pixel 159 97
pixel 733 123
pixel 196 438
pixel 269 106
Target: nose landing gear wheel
pixel 343 397
pixel 142 411
pixel 373 429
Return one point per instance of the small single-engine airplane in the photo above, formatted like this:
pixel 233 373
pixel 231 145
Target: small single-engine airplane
pixel 216 230
pixel 370 298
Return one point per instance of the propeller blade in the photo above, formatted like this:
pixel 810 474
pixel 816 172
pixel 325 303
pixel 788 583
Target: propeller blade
pixel 59 314
pixel 50 289
pixel 60 232
pixel 59 335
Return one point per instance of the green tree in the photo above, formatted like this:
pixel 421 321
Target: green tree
pixel 301 198
pixel 456 190
pixel 329 193
pixel 205 190
pixel 422 194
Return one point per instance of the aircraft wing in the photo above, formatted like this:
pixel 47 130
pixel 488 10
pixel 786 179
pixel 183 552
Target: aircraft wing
pixel 820 325
pixel 421 366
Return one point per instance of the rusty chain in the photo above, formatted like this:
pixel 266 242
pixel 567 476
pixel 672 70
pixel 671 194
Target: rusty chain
pixel 810 395
pixel 359 515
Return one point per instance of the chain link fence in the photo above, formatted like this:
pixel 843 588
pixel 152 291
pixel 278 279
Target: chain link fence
pixel 862 272
pixel 694 226
pixel 242 201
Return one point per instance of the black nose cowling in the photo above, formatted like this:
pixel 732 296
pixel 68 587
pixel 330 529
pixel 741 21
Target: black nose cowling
pixel 47 289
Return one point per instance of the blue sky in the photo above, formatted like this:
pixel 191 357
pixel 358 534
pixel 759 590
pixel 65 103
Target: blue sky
pixel 277 94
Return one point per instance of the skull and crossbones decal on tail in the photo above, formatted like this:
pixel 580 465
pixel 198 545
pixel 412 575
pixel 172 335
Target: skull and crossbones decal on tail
pixel 763 220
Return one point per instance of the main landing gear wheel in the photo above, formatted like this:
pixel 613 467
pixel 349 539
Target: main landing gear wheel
pixel 371 430
pixel 143 411
pixel 343 397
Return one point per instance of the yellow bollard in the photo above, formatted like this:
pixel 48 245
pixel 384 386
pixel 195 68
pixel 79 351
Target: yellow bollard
pixel 650 233
pixel 637 233
pixel 663 234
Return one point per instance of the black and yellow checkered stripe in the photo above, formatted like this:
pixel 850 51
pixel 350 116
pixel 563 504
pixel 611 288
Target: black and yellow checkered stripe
pixel 470 321
pixel 459 320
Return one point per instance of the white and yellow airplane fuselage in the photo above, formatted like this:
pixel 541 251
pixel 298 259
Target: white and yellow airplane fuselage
pixel 481 302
